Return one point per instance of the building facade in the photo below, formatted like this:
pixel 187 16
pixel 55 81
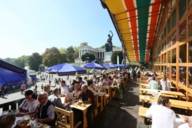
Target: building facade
pixel 98 52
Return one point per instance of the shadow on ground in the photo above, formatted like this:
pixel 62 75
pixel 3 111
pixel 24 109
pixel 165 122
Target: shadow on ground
pixel 121 113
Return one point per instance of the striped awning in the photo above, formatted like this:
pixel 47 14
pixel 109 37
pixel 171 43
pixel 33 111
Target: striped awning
pixel 136 22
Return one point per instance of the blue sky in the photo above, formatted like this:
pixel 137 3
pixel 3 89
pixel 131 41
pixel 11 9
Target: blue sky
pixel 28 26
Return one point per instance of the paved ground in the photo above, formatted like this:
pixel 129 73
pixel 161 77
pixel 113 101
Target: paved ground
pixel 122 113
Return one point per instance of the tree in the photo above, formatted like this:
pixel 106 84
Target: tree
pixel 88 57
pixel 62 50
pixel 22 61
pixel 19 62
pixel 63 58
pixel 76 54
pixel 114 57
pixel 51 56
pixel 70 54
pixel 35 61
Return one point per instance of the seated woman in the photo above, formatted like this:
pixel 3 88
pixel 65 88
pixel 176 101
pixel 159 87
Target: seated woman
pixel 29 104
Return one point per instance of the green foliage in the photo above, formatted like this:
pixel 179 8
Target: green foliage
pixel 19 62
pixel 22 61
pixel 62 50
pixel 35 61
pixel 88 57
pixel 76 54
pixel 51 56
pixel 70 54
pixel 114 57
pixel 63 58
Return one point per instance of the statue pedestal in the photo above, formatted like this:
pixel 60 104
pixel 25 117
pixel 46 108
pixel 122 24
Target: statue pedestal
pixel 107 57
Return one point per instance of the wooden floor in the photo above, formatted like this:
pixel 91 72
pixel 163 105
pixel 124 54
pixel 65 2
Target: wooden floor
pixel 122 113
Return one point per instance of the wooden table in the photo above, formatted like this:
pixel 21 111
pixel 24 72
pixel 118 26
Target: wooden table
pixel 83 107
pixel 148 98
pixel 32 122
pixel 171 94
pixel 101 96
pixel 148 91
pixel 173 103
pixel 181 104
pixel 144 85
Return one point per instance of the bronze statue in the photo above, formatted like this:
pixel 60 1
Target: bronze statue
pixel 109 44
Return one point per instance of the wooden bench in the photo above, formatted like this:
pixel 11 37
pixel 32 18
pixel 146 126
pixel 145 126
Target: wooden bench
pixel 142 111
pixel 65 118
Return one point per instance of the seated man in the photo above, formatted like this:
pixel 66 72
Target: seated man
pixel 88 96
pixel 162 116
pixel 165 84
pixel 29 104
pixel 45 111
pixel 55 100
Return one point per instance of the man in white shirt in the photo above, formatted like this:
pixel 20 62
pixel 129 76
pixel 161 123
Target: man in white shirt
pixel 165 84
pixel 162 116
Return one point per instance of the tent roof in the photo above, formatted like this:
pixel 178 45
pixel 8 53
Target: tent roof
pixel 11 67
pixel 136 23
pixel 10 74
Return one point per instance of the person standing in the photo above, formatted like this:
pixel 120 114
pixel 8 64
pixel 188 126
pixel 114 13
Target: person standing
pixel 64 88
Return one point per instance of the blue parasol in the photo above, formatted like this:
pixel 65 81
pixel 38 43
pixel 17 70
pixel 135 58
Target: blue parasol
pixel 93 65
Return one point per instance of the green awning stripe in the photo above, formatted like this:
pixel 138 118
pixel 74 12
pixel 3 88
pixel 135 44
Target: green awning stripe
pixel 143 12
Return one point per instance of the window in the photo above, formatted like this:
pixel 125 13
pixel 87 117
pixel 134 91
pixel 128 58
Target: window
pixel 174 56
pixel 190 76
pixel 182 8
pixel 182 31
pixel 190 25
pixel 190 52
pixel 169 57
pixel 173 73
pixel 182 53
pixel 173 19
pixel 182 75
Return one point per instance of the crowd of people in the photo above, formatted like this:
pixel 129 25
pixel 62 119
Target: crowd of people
pixel 40 104
pixel 155 84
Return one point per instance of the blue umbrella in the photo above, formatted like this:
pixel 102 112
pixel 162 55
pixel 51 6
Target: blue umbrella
pixel 108 66
pixel 66 69
pixel 93 65
pixel 121 65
